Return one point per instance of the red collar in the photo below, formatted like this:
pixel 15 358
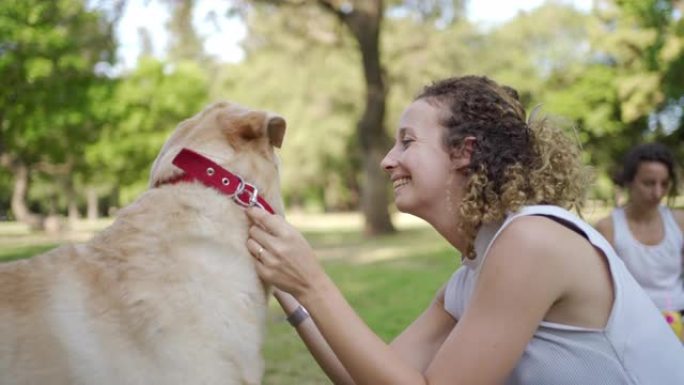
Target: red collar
pixel 198 168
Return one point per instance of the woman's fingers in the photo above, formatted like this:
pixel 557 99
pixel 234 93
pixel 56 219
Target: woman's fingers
pixel 256 249
pixel 284 257
pixel 261 236
pixel 271 223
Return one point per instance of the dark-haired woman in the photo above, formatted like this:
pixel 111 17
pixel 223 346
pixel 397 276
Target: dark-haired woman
pixel 646 234
pixel 540 298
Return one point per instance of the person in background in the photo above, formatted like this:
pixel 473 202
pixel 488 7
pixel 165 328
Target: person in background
pixel 540 297
pixel 646 234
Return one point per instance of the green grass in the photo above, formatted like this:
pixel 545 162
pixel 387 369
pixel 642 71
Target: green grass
pixel 389 280
pixel 19 252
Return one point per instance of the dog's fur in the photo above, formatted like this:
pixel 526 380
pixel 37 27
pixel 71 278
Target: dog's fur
pixel 168 293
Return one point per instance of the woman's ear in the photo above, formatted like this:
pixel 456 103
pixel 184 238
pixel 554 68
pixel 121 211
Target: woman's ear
pixel 461 155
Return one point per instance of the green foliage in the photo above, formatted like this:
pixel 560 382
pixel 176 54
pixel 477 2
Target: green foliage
pixel 147 105
pixel 643 42
pixel 629 77
pixel 49 53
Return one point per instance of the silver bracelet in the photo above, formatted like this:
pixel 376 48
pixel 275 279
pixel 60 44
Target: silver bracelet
pixel 298 316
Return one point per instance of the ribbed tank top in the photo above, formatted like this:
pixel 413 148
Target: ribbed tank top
pixel 658 268
pixel 635 347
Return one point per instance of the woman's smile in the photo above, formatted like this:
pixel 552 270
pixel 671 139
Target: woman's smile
pixel 397 183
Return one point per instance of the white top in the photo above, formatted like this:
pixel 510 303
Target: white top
pixel 635 347
pixel 658 268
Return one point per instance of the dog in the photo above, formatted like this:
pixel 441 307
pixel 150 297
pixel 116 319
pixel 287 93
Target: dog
pixel 168 293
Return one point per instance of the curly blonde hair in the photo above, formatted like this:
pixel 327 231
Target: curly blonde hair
pixel 514 163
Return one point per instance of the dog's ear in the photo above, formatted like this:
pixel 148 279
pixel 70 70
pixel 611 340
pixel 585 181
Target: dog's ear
pixel 255 124
pixel 275 127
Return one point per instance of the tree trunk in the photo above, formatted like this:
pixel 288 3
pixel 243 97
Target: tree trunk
pixel 72 206
pixel 20 209
pixel 364 22
pixel 91 198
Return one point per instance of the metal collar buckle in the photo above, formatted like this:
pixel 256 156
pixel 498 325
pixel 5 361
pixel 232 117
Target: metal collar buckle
pixel 246 195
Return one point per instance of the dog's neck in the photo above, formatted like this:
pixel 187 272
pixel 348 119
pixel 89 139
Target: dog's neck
pixel 197 168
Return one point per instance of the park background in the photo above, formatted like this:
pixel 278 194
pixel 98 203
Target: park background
pixel 90 89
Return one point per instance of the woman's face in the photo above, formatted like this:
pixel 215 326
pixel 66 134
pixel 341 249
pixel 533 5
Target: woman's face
pixel 650 184
pixel 418 164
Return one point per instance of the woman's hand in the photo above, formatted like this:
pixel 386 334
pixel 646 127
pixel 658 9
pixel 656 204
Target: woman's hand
pixel 283 257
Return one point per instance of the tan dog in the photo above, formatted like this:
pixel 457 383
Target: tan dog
pixel 168 293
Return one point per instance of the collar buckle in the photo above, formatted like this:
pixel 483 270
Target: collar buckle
pixel 246 195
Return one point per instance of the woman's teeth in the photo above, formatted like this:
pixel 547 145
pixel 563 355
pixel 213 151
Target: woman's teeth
pixel 400 182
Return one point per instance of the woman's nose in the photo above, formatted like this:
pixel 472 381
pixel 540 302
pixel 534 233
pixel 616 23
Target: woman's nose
pixel 388 162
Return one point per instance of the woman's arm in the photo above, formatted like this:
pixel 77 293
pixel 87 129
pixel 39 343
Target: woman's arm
pixel 508 303
pixel 315 342
pixel 417 344
pixel 679 217
pixel 605 227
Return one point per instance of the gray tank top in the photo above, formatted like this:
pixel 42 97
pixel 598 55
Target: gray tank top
pixel 657 268
pixel 635 347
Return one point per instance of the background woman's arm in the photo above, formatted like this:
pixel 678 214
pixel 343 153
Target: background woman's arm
pixel 605 227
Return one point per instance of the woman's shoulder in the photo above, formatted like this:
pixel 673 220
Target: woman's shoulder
pixel 540 246
pixel 539 232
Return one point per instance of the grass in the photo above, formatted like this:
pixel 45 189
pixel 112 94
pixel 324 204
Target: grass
pixel 389 280
pixel 20 252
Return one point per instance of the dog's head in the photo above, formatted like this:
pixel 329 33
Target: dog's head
pixel 239 139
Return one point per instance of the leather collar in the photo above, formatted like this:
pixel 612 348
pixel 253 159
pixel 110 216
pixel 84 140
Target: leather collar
pixel 201 169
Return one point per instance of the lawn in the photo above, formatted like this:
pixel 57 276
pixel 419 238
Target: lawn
pixel 389 280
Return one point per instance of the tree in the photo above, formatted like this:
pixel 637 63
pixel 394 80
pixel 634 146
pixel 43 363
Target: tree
pixel 49 52
pixel 185 43
pixel 312 86
pixel 630 83
pixel 363 20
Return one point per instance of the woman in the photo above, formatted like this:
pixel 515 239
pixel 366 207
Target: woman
pixel 645 234
pixel 541 297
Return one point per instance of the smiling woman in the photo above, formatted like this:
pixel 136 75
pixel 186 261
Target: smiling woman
pixel 540 294
pixel 417 164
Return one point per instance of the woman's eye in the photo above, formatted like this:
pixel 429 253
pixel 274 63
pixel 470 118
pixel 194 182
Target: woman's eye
pixel 405 142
